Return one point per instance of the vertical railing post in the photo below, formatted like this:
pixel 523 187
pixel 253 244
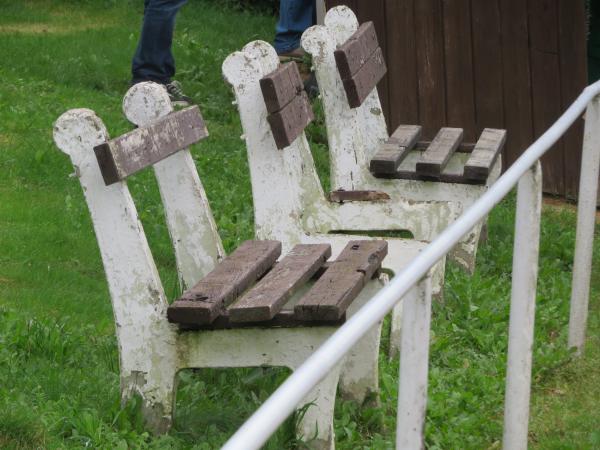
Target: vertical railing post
pixel 414 365
pixel 522 309
pixel 586 221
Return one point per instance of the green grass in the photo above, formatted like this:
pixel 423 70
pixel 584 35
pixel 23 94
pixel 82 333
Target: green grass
pixel 59 384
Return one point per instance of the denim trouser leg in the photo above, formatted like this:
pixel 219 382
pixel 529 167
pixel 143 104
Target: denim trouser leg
pixel 153 59
pixel 295 16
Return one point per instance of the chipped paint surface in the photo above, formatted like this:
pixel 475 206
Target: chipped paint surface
pixel 355 134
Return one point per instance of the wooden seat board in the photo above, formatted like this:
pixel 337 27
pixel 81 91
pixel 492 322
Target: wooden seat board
pixel 356 51
pixel 207 300
pixel 395 149
pixel 280 87
pixel 435 158
pixel 485 154
pixel 145 146
pixel 269 295
pixel 289 123
pixel 362 83
pixel 331 295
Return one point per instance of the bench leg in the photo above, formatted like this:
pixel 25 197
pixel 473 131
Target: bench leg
pixel 316 425
pixel 359 377
pixel 157 391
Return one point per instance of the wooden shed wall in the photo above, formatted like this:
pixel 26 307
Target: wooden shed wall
pixel 514 64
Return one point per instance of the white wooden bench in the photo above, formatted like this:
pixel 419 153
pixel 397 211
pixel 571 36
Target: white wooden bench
pixel 289 202
pixel 348 64
pixel 219 321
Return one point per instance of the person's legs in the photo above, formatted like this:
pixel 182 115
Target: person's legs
pixel 295 16
pixel 153 60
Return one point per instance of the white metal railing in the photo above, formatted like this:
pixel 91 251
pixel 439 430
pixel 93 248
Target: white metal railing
pixel 526 172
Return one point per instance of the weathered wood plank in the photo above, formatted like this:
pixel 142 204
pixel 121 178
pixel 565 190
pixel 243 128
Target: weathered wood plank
pixel 485 154
pixel 391 154
pixel 331 295
pixel 435 158
pixel 356 51
pixel 360 85
pixel 357 196
pixel 283 319
pixel 269 295
pixel 289 123
pixel 279 88
pixel 143 147
pixel 207 300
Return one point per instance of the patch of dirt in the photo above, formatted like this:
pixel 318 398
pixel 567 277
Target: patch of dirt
pixel 49 28
pixel 559 204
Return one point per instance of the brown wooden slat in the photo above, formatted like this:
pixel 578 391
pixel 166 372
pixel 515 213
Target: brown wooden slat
pixel 269 295
pixel 401 58
pixel 517 78
pixel 356 51
pixel 545 85
pixel 485 154
pixel 487 64
pixel 573 75
pixel 290 122
pixel 283 319
pixel 280 87
pixel 394 150
pixel 143 147
pixel 204 302
pixel 430 65
pixel 435 158
pixel 331 295
pixel 463 147
pixel 460 98
pixel 362 83
pixel 357 196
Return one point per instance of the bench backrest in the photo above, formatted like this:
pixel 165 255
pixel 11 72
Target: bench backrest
pixel 354 133
pixel 284 181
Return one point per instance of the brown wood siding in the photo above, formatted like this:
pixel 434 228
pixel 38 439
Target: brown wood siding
pixel 514 64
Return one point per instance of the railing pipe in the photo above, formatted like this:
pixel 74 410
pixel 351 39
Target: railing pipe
pixel 586 221
pixel 259 427
pixel 522 309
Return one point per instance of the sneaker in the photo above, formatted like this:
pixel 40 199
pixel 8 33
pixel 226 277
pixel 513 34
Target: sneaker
pixel 178 98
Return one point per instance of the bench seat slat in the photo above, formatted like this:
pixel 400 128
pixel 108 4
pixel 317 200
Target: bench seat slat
pixel 435 158
pixel 485 154
pixel 331 295
pixel 392 153
pixel 207 300
pixel 269 295
pixel 143 147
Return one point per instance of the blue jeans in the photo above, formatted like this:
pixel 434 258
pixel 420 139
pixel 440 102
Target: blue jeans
pixel 153 60
pixel 295 16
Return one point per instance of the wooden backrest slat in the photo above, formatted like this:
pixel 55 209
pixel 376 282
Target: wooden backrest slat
pixel 290 122
pixel 331 295
pixel 391 154
pixel 268 296
pixel 281 87
pixel 360 85
pixel 443 146
pixel 485 154
pixel 355 52
pixel 236 273
pixel 360 63
pixel 145 146
pixel 287 104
